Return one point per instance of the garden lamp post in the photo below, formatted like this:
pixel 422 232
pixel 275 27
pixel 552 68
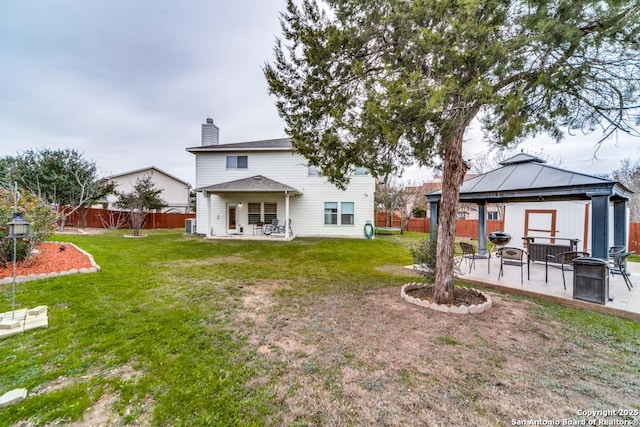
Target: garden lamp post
pixel 18 228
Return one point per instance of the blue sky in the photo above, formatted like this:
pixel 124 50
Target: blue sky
pixel 128 83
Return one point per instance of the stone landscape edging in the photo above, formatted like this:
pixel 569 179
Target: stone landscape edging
pixel 94 268
pixel 463 309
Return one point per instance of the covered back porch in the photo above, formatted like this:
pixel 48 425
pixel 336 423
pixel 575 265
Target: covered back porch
pixel 248 209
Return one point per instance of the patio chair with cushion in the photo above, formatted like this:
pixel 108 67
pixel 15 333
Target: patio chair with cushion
pixel 565 259
pixel 513 256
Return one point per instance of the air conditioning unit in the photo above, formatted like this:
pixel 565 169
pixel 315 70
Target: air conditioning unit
pixel 190 226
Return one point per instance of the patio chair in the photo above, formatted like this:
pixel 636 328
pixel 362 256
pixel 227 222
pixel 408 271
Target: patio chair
pixel 469 253
pixel 281 228
pixel 271 228
pixel 615 252
pixel 564 259
pixel 619 264
pixel 258 227
pixel 513 256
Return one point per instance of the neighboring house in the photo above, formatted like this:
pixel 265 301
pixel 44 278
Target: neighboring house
pixel 244 185
pixel 175 192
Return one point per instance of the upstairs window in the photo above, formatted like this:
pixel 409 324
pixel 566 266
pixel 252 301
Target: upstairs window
pixel 237 162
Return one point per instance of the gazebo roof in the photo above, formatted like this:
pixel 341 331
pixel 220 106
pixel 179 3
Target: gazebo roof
pixel 524 177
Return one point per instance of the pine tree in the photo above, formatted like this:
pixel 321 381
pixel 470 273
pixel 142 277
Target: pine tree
pixel 384 83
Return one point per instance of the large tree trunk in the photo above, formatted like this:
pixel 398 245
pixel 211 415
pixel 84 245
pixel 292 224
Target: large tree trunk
pixel 84 211
pixel 454 171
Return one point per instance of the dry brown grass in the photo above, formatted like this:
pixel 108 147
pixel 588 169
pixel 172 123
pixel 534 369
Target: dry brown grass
pixel 375 360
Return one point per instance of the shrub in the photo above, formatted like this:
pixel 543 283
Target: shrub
pixel 42 221
pixel 424 256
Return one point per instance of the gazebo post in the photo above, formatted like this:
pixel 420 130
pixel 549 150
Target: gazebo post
pixel 433 220
pixel 482 228
pixel 600 226
pixel 620 223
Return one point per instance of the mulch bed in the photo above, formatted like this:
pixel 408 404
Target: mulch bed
pixel 50 258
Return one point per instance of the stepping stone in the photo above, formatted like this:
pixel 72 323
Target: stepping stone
pixel 37 310
pixel 14 396
pixel 10 324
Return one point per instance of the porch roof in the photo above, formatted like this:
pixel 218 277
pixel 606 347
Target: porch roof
pixel 252 184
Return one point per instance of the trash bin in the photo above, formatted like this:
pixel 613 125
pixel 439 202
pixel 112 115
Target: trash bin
pixel 591 279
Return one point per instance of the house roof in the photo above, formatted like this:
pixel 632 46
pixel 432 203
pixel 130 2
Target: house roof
pixel 426 187
pixel 525 177
pixel 151 168
pixel 252 184
pixel 281 144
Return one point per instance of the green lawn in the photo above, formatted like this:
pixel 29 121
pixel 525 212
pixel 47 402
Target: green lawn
pixel 156 327
pixel 162 305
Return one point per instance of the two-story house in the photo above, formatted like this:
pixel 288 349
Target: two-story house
pixel 242 186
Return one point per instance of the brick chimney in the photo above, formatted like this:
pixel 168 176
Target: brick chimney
pixel 210 133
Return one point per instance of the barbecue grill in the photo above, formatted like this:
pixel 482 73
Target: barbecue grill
pixel 500 238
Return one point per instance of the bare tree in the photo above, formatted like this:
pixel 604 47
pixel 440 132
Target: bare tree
pixel 629 174
pixel 113 219
pixel 489 160
pixel 144 198
pixel 393 197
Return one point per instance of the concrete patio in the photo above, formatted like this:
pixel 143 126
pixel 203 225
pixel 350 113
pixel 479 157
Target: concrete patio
pixel 626 303
pixel 251 236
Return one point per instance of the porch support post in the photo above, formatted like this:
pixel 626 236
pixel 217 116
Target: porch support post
pixel 286 215
pixel 208 213
pixel 620 223
pixel 600 226
pixel 482 228
pixel 433 220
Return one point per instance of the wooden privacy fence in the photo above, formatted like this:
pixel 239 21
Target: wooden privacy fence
pixel 106 218
pixel 468 228
pixel 634 237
